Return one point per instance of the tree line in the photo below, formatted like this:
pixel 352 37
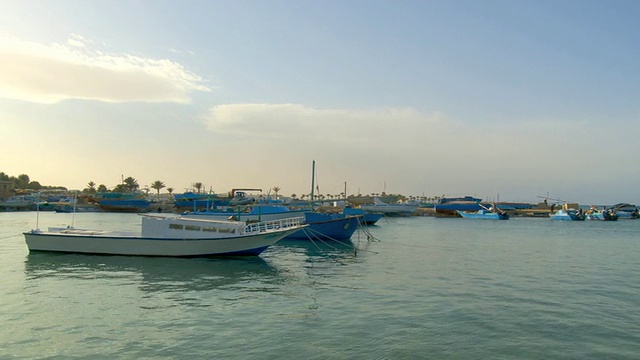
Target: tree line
pixel 23 181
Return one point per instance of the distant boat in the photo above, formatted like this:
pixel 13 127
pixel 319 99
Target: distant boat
pixel 123 202
pixel 451 205
pixel 626 211
pixel 20 202
pixel 323 226
pixel 256 212
pixel 77 208
pixel 168 236
pixel 195 201
pixel 240 197
pixel 370 218
pixel 483 214
pixel 568 214
pixel 603 215
pixel 71 204
pixel 390 209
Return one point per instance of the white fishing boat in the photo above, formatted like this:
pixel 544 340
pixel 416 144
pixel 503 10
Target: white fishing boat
pixel 168 236
pixel 404 208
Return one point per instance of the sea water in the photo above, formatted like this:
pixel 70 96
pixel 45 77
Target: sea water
pixel 421 288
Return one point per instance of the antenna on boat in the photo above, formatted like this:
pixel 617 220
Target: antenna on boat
pixel 313 178
pixel 38 211
pixel 75 204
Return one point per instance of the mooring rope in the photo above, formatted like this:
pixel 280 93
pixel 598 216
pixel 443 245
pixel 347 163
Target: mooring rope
pixel 320 237
pixel 311 234
pixel 10 236
pixel 365 229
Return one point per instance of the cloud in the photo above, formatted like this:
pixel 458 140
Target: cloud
pixel 51 73
pixel 279 121
pixel 416 148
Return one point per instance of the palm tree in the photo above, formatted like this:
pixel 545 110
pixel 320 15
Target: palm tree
pixel 197 186
pixel 275 190
pixel 131 184
pixel 157 185
pixel 170 191
pixel 91 188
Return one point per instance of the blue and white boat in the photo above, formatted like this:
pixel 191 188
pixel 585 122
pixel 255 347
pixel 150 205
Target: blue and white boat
pixel 626 211
pixel 256 212
pixel 451 205
pixel 602 215
pixel 323 226
pixel 568 214
pixel 483 214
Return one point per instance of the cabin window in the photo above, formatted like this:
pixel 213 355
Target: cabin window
pixel 192 227
pixel 176 226
pixel 225 230
pixel 209 229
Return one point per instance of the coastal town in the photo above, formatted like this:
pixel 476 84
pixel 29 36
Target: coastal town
pixel 21 194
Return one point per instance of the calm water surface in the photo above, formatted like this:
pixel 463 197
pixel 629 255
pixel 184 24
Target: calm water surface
pixel 430 288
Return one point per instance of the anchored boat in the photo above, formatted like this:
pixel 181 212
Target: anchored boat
pixel 168 236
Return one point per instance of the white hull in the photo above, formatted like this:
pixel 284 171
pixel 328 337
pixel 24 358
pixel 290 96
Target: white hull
pixel 253 244
pixel 167 237
pixel 391 209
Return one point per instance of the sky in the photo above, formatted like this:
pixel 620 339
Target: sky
pixel 500 99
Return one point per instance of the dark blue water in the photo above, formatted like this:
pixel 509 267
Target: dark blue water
pixel 430 288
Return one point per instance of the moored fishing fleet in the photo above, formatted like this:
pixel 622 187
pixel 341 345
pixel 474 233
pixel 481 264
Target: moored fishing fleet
pixel 246 222
pixel 242 224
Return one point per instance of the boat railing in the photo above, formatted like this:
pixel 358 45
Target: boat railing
pixel 273 225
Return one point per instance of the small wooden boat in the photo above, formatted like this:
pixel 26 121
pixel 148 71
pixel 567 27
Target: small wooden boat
pixel 168 236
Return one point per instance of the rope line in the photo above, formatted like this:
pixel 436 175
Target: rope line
pixel 10 236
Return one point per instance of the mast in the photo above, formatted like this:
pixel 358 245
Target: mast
pixel 345 191
pixel 313 178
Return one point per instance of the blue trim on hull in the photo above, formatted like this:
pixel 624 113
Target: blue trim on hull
pixel 250 252
pixel 326 227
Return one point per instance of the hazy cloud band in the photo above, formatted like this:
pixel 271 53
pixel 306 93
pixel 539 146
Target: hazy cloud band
pixel 52 73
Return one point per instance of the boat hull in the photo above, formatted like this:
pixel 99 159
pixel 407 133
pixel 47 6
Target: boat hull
pixel 147 246
pixel 369 218
pixel 249 245
pixel 391 210
pixel 565 215
pixel 327 227
pixel 402 209
pixel 602 217
pixel 483 215
pixel 124 205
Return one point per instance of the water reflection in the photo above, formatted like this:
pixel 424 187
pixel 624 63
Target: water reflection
pixel 151 274
pixel 319 251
